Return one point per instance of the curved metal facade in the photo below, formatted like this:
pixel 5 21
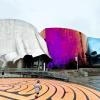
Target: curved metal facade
pixel 64 45
pixel 19 38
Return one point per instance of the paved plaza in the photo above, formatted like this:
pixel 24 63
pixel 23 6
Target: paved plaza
pixel 23 89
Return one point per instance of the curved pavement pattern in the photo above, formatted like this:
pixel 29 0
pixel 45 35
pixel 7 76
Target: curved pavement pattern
pixel 23 89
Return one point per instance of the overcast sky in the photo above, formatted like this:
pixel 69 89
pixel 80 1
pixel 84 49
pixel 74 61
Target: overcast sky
pixel 82 15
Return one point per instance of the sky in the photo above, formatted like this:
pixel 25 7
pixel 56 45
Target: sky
pixel 81 15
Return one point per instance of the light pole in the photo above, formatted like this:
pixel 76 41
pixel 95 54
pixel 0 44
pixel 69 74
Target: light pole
pixel 44 67
pixel 76 59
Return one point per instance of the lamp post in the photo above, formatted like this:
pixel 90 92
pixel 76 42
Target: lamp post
pixel 44 67
pixel 76 59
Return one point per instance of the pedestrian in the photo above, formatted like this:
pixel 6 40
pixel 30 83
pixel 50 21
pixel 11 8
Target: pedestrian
pixel 37 88
pixel 2 73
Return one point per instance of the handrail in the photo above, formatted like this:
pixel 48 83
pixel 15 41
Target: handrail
pixel 17 69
